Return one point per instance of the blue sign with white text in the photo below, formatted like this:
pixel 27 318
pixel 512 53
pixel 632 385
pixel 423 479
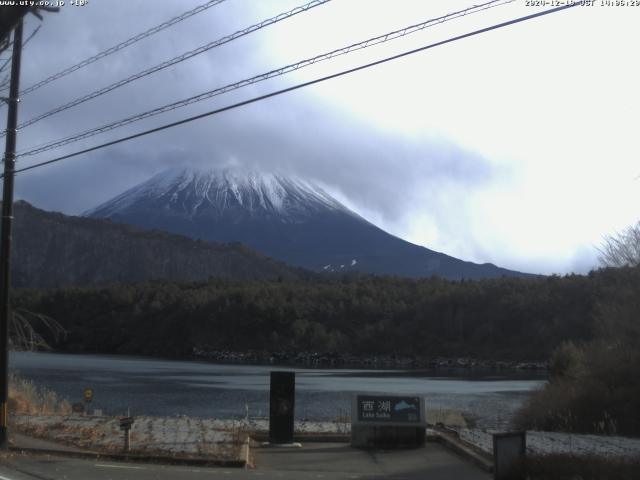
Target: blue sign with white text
pixel 388 409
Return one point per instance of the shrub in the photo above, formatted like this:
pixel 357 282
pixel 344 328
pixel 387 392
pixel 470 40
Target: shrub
pixel 25 397
pixel 593 389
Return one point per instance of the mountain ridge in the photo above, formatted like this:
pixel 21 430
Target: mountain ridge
pixel 284 217
pixel 51 249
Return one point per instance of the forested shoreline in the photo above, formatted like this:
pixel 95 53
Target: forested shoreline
pixel 510 319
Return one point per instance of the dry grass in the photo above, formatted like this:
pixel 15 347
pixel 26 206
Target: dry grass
pixel 239 432
pixel 26 398
pixel 167 436
pixel 447 417
pixel 342 421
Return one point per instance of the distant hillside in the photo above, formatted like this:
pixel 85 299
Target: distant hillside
pixel 52 250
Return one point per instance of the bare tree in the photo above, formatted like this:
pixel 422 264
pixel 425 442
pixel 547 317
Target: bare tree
pixel 622 249
pixel 26 327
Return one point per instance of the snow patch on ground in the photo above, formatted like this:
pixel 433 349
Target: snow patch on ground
pixel 223 439
pixel 556 442
pixel 169 435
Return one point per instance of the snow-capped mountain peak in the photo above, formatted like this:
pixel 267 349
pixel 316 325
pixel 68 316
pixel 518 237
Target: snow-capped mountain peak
pixel 219 191
pixel 282 216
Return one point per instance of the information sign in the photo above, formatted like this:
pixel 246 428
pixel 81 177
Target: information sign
pixel 385 409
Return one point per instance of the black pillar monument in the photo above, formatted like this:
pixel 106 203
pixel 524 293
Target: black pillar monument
pixel 281 407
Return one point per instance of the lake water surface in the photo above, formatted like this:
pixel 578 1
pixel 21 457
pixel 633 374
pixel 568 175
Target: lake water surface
pixel 168 387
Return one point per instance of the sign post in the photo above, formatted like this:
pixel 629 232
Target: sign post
pixel 125 424
pixel 88 395
pixel 81 408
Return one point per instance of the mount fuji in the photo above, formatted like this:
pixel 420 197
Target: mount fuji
pixel 285 217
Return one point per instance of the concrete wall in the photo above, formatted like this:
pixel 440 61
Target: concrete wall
pixel 366 436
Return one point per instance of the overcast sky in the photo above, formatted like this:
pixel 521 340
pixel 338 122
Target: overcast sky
pixel 517 147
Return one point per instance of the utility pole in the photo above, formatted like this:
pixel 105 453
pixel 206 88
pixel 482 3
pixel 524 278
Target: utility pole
pixel 5 233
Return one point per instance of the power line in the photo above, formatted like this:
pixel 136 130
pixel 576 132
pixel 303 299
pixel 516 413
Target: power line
pixel 31 35
pixel 299 86
pixel 24 44
pixel 264 76
pixel 121 45
pixel 5 82
pixel 176 60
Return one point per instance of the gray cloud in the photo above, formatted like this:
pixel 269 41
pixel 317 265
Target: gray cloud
pixel 294 133
pixel 393 175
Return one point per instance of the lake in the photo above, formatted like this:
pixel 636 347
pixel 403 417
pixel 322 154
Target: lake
pixel 162 387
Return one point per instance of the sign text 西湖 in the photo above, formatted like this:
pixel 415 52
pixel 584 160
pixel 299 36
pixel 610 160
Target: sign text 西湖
pixel 380 408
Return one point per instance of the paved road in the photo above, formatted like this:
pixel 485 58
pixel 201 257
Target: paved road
pixel 313 461
pixel 338 460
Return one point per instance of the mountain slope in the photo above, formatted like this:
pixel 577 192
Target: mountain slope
pixel 284 217
pixel 52 249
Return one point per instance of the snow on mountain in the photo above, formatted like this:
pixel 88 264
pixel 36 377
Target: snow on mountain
pixel 190 191
pixel 285 217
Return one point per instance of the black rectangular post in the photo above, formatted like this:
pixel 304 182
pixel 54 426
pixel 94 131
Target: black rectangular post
pixel 281 407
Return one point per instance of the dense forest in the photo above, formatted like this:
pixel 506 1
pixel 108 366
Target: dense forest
pixel 506 319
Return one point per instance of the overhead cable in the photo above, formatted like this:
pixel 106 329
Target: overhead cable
pixel 175 60
pixel 24 44
pixel 121 45
pixel 264 76
pixel 5 81
pixel 298 86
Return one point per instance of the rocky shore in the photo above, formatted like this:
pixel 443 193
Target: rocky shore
pixel 341 360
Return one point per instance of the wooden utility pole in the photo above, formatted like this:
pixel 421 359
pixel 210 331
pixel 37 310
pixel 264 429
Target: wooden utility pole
pixel 5 233
pixel 10 16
